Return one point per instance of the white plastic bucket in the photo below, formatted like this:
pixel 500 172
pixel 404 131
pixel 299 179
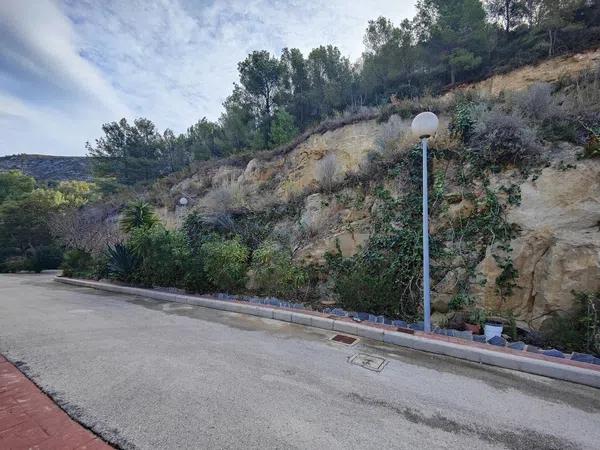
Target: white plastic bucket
pixel 492 329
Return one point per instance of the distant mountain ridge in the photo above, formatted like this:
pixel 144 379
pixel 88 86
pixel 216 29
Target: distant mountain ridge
pixel 49 168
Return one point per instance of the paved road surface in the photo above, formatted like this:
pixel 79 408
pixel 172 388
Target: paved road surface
pixel 150 374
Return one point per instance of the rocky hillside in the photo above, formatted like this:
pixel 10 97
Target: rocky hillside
pixel 557 250
pixel 514 236
pixel 550 71
pixel 49 168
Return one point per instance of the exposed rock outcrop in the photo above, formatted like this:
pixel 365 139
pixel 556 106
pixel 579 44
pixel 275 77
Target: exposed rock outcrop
pixel 558 249
pixel 349 144
pixel 331 226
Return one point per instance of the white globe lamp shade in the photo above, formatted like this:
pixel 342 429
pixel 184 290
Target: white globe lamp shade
pixel 183 201
pixel 425 124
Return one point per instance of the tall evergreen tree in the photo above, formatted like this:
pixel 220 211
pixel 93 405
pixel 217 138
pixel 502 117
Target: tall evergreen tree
pixel 454 33
pixel 510 12
pixel 330 81
pixel 260 75
pixel 130 153
pixel 295 86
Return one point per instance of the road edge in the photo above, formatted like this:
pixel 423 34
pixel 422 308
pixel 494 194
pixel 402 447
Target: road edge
pixel 44 413
pixel 490 357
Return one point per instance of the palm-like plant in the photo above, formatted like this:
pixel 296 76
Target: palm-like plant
pixel 138 214
pixel 122 262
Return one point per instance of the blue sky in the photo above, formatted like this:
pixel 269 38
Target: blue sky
pixel 68 66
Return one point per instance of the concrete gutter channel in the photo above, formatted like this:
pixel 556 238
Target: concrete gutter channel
pixel 573 371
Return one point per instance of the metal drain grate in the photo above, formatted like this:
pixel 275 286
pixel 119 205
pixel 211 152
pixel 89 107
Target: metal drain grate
pixel 344 339
pixel 369 362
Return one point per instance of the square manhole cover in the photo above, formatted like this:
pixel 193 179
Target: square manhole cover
pixel 344 339
pixel 370 362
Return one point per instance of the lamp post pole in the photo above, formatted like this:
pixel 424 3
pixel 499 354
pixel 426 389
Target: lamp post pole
pixel 423 126
pixel 426 288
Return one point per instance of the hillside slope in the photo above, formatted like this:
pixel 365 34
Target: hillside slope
pixel 49 168
pixel 548 71
pixel 548 212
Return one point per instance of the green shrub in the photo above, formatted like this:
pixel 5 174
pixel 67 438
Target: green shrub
pixel 163 255
pixel 107 185
pixel 360 287
pixel 100 266
pixel 462 121
pixel 559 128
pixel 77 263
pixel 478 316
pixel 578 331
pixel 283 129
pixel 198 228
pixel 14 185
pixel 121 262
pixel 225 263
pixel 42 257
pixel 250 227
pixel 195 278
pixel 138 214
pixel 25 230
pixel 13 264
pixel 591 148
pixel 460 301
pixel 275 273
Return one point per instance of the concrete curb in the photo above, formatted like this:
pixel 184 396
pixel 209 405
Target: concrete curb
pixel 545 368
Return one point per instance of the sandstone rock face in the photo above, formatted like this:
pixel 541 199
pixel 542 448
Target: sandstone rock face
pixel 259 171
pixel 558 249
pixel 349 144
pixel 443 291
pixel 313 208
pixel 331 225
pixel 349 243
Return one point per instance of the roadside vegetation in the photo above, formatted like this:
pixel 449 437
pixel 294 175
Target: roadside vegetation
pixel 245 241
pixel 233 248
pixel 26 213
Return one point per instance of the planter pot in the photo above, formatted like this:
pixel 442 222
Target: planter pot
pixel 492 329
pixel 473 327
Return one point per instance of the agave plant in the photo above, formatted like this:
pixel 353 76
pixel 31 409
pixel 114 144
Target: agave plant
pixel 138 214
pixel 122 262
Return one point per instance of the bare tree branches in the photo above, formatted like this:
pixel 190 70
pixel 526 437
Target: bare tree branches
pixel 90 228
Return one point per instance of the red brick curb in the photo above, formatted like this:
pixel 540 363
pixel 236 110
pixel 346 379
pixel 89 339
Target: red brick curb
pixel 31 420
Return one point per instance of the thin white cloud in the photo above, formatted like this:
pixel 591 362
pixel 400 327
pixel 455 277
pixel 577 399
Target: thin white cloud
pixel 46 42
pixel 45 130
pixel 50 96
pixel 172 61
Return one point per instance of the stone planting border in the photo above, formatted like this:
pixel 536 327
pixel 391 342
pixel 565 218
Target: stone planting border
pixel 558 368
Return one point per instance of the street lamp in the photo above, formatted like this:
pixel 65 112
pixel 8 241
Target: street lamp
pixel 423 126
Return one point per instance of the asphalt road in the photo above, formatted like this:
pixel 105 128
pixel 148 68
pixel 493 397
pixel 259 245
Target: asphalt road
pixel 149 374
